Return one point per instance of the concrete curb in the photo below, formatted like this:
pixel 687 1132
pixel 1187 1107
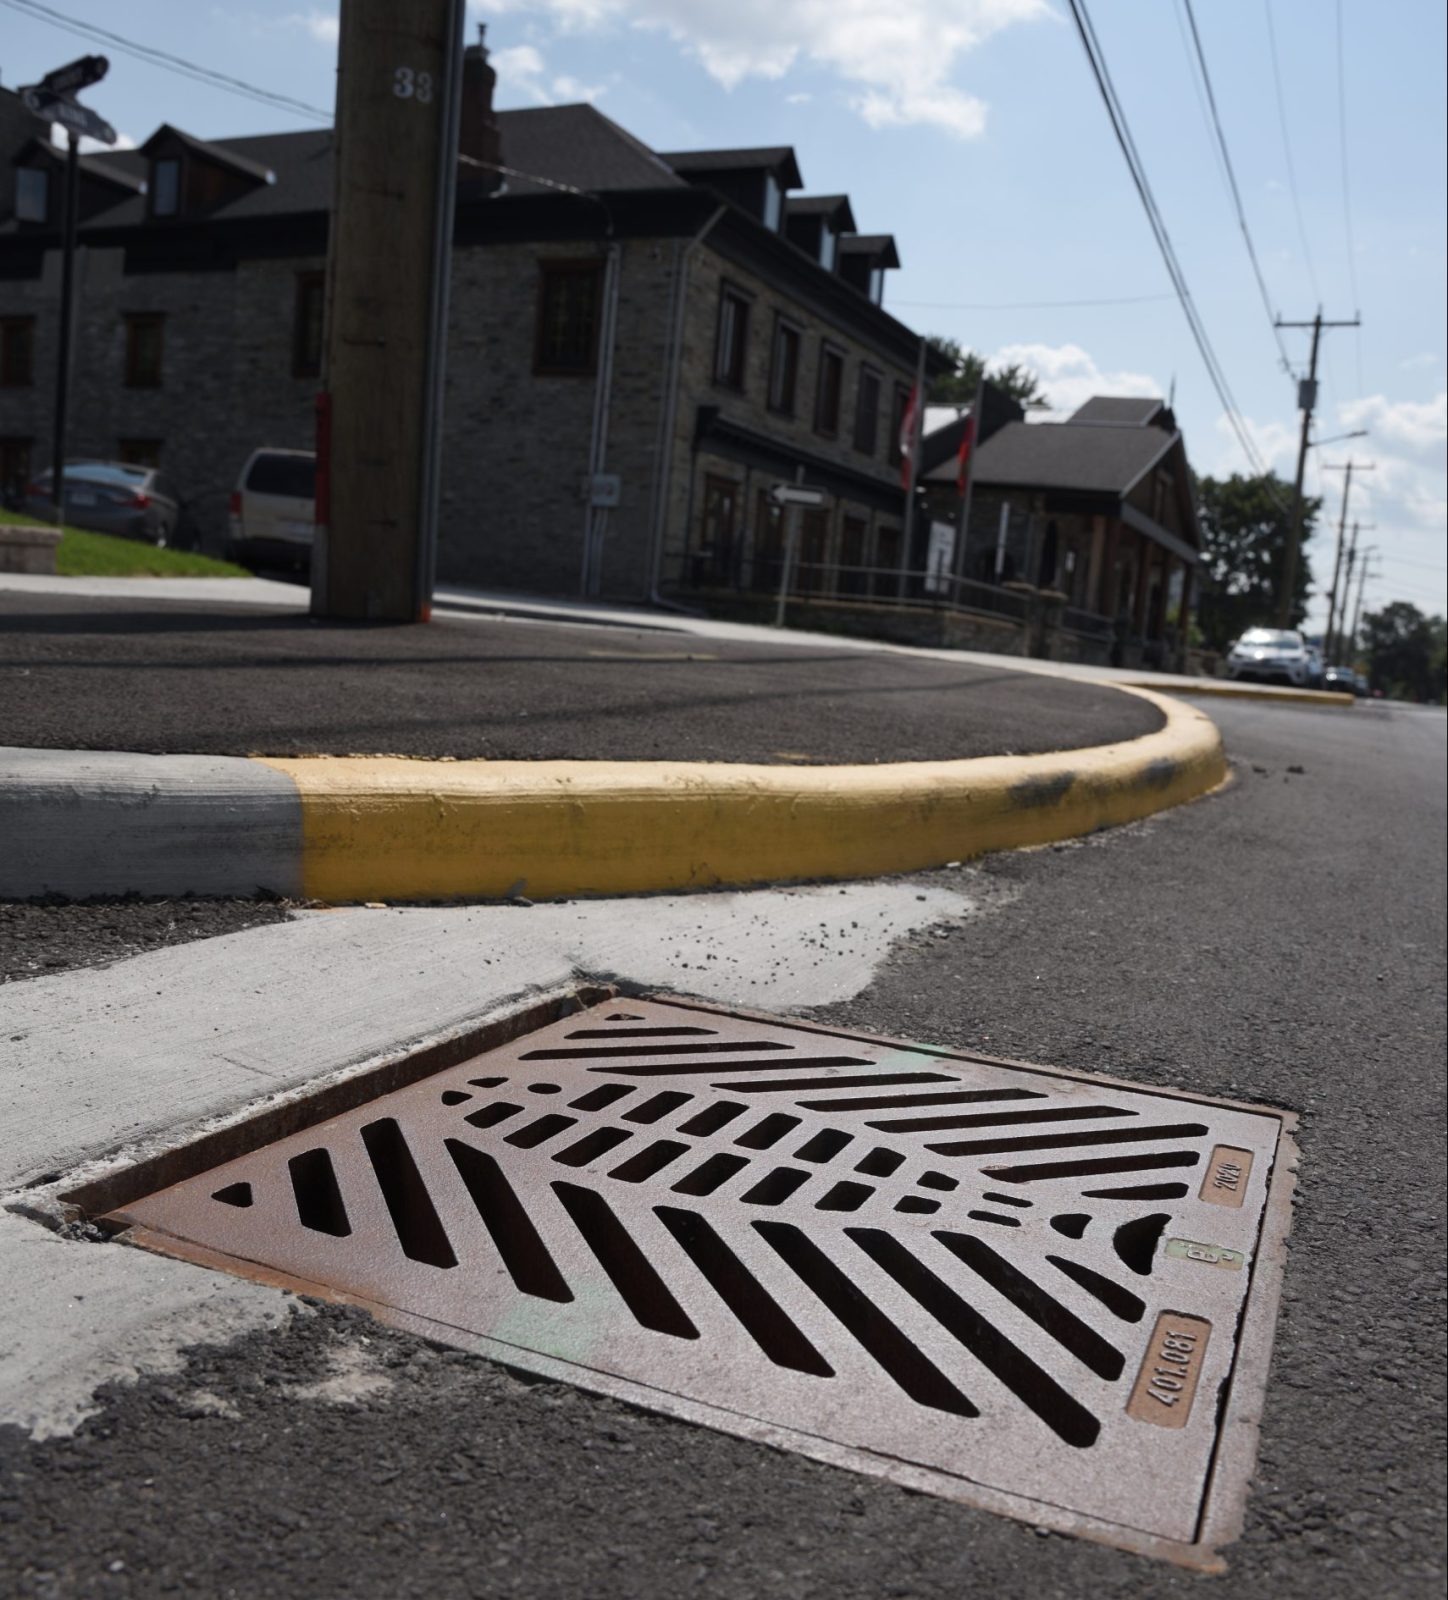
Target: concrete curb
pixel 387 828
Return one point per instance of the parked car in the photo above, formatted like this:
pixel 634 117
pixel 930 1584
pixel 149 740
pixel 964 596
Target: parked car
pixel 114 497
pixel 1270 655
pixel 1342 679
pixel 1315 667
pixel 274 507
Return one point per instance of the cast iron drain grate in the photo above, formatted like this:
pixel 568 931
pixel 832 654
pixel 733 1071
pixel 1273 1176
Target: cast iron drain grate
pixel 1041 1293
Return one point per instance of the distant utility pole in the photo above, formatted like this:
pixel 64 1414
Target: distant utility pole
pixel 1307 403
pixel 399 95
pixel 1363 575
pixel 1346 468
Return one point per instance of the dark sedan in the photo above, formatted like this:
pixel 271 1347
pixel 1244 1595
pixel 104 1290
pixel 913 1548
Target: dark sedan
pixel 113 497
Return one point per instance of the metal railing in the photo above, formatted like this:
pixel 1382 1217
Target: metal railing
pixel 760 577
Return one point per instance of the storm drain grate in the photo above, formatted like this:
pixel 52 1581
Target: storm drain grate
pixel 1021 1288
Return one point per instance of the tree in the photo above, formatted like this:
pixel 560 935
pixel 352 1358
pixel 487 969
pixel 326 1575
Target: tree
pixel 1405 651
pixel 958 386
pixel 1244 552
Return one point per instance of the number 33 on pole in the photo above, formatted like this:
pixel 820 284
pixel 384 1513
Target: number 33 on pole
pixel 410 85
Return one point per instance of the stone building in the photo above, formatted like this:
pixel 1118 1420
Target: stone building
pixel 688 325
pixel 1097 510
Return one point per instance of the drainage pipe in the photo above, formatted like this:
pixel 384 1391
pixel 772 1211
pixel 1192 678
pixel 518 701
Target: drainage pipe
pixel 665 454
pixel 602 401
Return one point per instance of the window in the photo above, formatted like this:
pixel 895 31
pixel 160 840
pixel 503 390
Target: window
pixel 292 475
pixel 877 285
pixel 784 367
pixel 568 305
pixel 828 390
pixel 143 350
pixel 829 244
pixel 867 411
pixel 139 452
pixel 731 347
pixel 713 564
pixel 899 401
pixel 773 202
pixel 17 352
pixel 165 188
pixel 32 195
pixel 307 325
pixel 14 470
pixel 852 556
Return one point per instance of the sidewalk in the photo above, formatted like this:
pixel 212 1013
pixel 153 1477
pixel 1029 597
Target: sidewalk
pixel 456 600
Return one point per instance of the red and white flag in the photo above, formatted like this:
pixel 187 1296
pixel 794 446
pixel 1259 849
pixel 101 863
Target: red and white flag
pixel 909 437
pixel 967 449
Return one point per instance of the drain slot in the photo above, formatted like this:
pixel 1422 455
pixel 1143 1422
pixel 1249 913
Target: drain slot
pixel 419 1229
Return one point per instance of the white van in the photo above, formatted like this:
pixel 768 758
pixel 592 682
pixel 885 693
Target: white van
pixel 274 508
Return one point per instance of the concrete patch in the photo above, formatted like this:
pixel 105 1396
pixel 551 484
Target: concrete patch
pixel 81 823
pixel 355 1377
pixel 100 1058
pixel 76 1316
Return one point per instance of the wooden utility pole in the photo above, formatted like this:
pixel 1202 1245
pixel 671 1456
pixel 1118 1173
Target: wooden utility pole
pixel 1357 615
pixel 1307 404
pixel 399 93
pixel 1334 622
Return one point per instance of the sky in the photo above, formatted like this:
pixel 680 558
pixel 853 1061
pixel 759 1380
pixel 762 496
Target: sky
pixel 973 131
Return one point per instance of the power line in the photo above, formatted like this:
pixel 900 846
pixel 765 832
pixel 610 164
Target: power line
pixel 1031 305
pixel 1122 130
pixel 1346 192
pixel 168 62
pixel 1287 152
pixel 1232 184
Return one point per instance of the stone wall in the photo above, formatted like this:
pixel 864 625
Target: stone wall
pixel 709 272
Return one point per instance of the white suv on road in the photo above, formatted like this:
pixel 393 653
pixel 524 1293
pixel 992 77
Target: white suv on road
pixel 1270 655
pixel 274 508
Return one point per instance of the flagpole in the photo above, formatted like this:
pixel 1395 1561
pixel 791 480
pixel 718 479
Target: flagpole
pixel 973 427
pixel 916 415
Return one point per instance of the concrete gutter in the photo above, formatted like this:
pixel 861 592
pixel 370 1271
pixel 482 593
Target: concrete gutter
pixel 386 828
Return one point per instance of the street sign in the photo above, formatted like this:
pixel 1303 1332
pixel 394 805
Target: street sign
pixel 796 494
pixel 76 75
pixel 604 489
pixel 78 118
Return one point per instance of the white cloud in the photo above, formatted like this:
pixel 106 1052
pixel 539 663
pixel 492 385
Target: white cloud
pixel 1070 376
pixel 89 146
pixel 1425 358
pixel 896 61
pixel 522 68
pixel 323 26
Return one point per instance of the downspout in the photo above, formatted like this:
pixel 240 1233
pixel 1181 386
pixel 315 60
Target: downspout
pixel 665 454
pixel 594 518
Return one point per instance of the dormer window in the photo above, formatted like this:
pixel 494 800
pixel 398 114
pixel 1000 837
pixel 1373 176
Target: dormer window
pixel 829 245
pixel 165 187
pixel 773 202
pixel 877 285
pixel 32 195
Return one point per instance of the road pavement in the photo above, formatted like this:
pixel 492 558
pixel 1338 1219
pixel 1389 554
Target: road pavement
pixel 1281 941
pixel 189 676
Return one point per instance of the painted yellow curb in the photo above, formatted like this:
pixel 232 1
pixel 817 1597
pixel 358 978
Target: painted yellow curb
pixel 386 828
pixel 1228 690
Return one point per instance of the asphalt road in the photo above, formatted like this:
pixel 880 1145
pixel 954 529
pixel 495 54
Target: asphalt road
pixel 1282 941
pixel 104 675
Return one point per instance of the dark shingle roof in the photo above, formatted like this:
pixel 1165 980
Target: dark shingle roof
pixel 821 205
pixel 871 244
pixel 579 146
pixel 1094 458
pixel 1126 410
pixel 225 155
pixel 766 158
